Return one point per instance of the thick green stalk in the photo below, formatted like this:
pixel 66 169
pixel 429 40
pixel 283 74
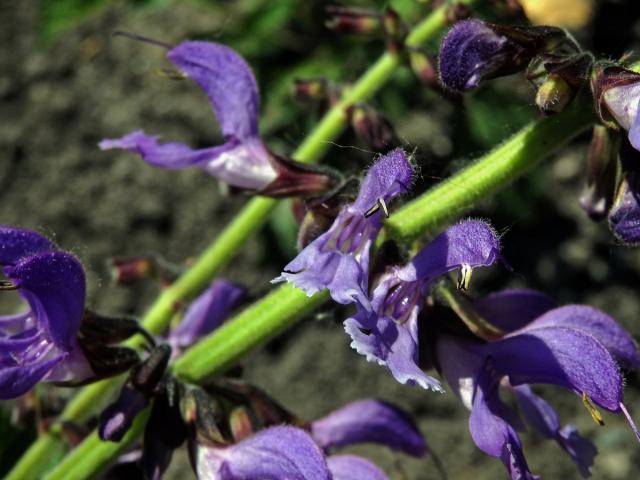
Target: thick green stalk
pixel 222 250
pixel 487 175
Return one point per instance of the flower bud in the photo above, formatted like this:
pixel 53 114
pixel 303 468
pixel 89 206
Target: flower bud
pixel 353 20
pixel 312 89
pixel 423 67
pixel 601 173
pixel 371 126
pixel 553 95
pixel 125 271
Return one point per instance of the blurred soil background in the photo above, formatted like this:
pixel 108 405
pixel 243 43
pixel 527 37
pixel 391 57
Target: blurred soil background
pixel 66 83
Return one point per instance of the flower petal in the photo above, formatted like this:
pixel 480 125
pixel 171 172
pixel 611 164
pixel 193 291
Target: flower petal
pixel 388 343
pixel 597 323
pixel 272 454
pixel 17 243
pixel 369 421
pixel 16 380
pixel 351 467
pixel 470 52
pixel 563 356
pixel 228 82
pixel 541 416
pixel 512 309
pixel 472 243
pixel 207 312
pixel 53 284
pixel 116 419
pixel 491 433
pixel 387 178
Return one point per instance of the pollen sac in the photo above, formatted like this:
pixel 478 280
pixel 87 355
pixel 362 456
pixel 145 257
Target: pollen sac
pixel 602 164
pixel 130 270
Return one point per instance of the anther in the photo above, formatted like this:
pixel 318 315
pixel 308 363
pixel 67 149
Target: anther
pixel 380 204
pixel 464 278
pixel 595 413
pixel 6 285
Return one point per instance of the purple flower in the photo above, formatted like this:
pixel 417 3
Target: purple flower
pixel 339 259
pixel 292 453
pixel 206 313
pixel 576 347
pixel 242 161
pixel 470 53
pixel 41 342
pixel 624 216
pixel 385 329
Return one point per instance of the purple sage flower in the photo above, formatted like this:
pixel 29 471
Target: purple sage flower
pixel 243 161
pixel 575 347
pixel 40 344
pixel 339 258
pixel 385 329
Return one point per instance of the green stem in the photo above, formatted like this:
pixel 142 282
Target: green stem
pixel 487 175
pixel 248 221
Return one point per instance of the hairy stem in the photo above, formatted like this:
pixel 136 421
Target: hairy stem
pixel 247 222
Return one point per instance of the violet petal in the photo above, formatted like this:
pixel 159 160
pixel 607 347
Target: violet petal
pixel 228 82
pixel 116 419
pixel 369 421
pixel 491 433
pixel 206 313
pixel 566 357
pixel 471 242
pixel 19 379
pixel 470 52
pixel 512 309
pixel 352 467
pixel 272 454
pixel 16 243
pixel 608 332
pixel 53 283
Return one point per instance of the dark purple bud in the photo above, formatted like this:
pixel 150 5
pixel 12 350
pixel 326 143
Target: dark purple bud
pixel 423 67
pixel 474 51
pixel 117 418
pixel 353 20
pixel 371 126
pixel 602 159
